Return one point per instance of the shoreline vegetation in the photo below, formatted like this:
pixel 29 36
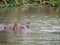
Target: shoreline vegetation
pixel 28 3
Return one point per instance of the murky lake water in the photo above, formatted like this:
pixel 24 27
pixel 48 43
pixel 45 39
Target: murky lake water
pixel 45 25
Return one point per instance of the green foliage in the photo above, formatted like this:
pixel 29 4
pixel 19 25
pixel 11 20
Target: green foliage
pixel 58 2
pixel 2 4
pixel 53 3
pixel 24 3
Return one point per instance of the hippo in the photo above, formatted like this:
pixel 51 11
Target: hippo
pixel 16 27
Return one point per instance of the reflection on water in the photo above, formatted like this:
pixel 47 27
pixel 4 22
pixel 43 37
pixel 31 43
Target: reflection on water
pixel 45 25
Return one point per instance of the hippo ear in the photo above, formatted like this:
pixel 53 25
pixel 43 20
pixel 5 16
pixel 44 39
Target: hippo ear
pixel 28 22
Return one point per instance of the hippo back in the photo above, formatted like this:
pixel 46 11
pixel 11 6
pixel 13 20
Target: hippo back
pixel 2 27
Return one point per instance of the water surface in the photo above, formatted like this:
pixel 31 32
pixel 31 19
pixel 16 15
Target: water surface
pixel 45 25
